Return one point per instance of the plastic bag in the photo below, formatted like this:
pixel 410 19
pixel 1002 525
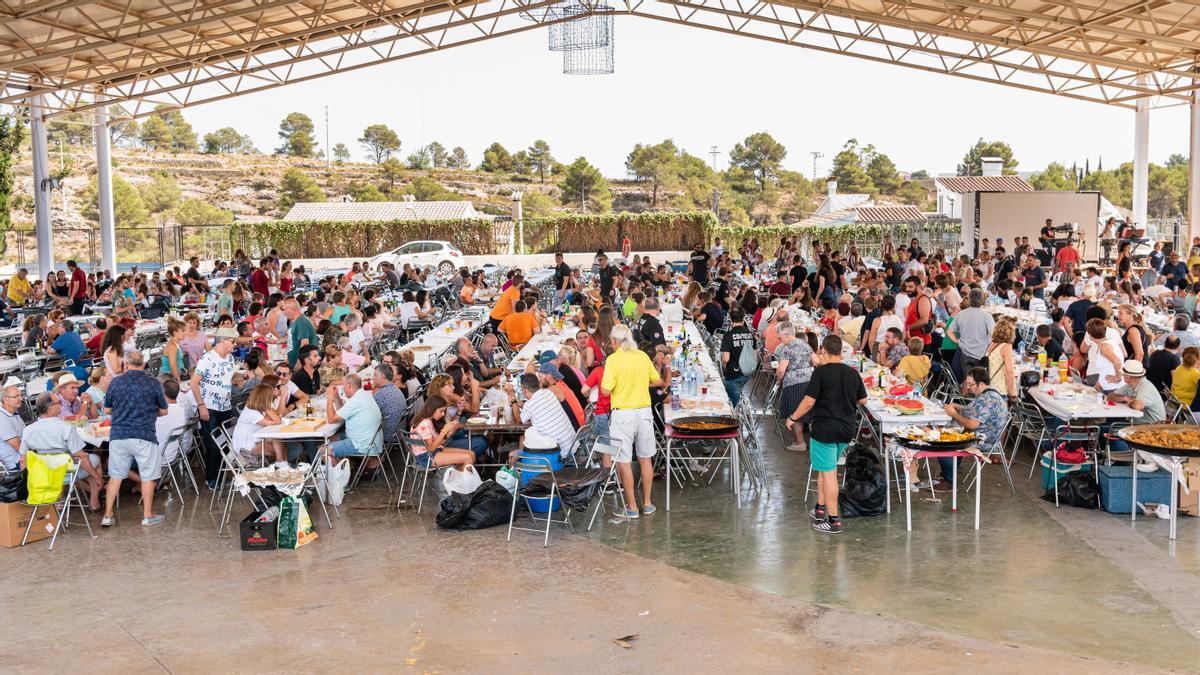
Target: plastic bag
pixel 865 490
pixel 462 482
pixel 454 509
pixel 1077 488
pixel 295 526
pixel 46 474
pixel 507 479
pixel 576 487
pixel 489 505
pixel 13 486
pixel 332 487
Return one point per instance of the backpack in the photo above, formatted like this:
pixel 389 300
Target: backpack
pixel 748 358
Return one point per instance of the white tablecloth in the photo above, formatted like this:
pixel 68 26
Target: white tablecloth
pixel 1085 405
pixel 712 379
pixel 544 341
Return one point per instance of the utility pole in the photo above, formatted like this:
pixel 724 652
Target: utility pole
pixel 714 152
pixel 328 148
pixel 816 154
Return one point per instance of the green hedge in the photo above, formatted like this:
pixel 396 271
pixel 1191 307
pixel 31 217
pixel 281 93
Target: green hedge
pixel 362 239
pixel 568 233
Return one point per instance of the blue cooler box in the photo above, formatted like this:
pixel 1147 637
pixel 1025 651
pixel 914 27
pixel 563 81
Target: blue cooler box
pixel 1116 488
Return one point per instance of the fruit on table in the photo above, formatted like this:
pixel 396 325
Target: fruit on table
pixel 106 423
pixel 900 389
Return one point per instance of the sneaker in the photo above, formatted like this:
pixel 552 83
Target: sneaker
pixel 108 521
pixel 828 526
pixel 212 484
pixel 798 447
pixel 923 485
pixel 153 520
pixel 817 514
pixel 649 509
pixel 632 514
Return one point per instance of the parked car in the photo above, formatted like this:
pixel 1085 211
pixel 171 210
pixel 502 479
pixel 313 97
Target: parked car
pixel 441 255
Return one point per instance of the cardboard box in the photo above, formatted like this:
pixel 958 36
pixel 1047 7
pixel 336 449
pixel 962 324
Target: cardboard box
pixel 1189 504
pixel 14 518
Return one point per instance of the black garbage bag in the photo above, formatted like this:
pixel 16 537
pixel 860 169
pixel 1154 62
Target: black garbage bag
pixel 454 509
pixel 576 487
pixel 1077 488
pixel 491 505
pixel 865 490
pixel 13 487
pixel 488 506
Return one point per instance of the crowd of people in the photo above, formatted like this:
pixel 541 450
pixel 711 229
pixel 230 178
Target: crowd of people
pixel 280 338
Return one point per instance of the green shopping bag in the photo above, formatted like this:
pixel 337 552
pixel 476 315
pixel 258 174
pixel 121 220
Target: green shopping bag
pixel 289 516
pixel 46 475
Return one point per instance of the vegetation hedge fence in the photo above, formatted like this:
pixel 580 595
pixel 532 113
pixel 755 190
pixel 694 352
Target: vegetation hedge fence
pixel 654 231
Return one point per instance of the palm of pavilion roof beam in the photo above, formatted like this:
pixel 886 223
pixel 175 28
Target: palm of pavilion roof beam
pixel 144 53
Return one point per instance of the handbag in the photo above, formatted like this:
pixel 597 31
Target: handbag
pixel 46 475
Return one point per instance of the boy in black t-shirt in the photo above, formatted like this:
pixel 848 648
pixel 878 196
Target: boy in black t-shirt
pixel 834 393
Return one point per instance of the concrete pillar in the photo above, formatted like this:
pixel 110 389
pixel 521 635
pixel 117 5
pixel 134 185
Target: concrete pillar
pixel 41 188
pixel 108 234
pixel 1193 210
pixel 1141 159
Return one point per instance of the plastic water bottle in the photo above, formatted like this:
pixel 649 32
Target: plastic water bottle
pixel 916 390
pixel 675 405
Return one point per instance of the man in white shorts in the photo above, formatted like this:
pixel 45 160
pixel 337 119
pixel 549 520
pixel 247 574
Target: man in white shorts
pixel 628 376
pixel 135 400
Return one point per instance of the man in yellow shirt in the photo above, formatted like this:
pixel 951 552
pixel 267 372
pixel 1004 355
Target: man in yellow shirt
pixel 520 326
pixel 506 304
pixel 19 288
pixel 628 376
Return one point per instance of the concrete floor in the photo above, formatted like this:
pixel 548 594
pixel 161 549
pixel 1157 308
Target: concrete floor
pixel 706 588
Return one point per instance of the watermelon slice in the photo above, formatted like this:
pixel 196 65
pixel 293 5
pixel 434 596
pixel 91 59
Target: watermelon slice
pixel 909 406
pixel 900 390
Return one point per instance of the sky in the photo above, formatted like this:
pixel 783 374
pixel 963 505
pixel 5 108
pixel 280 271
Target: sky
pixel 702 89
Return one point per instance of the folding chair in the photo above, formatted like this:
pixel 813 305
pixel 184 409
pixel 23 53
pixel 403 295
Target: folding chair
pixel 179 459
pixel 63 504
pixel 607 447
pixel 992 448
pixel 547 477
pixel 1089 436
pixel 408 444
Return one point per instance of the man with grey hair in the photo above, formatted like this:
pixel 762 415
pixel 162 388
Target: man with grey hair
pixel 389 398
pixel 49 434
pixel 972 330
pixel 468 357
pixel 1186 337
pixel 212 388
pixel 135 400
pixel 11 426
pixel 362 434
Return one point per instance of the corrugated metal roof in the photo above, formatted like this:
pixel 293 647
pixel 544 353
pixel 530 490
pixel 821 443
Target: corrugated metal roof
pixel 965 184
pixel 356 211
pixel 888 214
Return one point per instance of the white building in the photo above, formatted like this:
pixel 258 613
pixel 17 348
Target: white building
pixel 952 189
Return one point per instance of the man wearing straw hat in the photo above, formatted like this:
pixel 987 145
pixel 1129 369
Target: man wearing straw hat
pixel 212 387
pixel 1137 393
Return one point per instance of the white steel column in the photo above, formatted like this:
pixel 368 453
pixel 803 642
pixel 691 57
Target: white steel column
pixel 1141 160
pixel 41 189
pixel 1193 210
pixel 108 243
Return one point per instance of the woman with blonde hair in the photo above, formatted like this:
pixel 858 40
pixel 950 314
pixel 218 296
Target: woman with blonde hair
pixel 1136 339
pixel 1002 372
pixel 260 411
pixel 691 298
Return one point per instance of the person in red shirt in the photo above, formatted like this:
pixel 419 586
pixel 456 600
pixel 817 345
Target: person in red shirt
pixel 600 414
pixel 1067 255
pixel 93 343
pixel 260 281
pixel 78 289
pixel 919 312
